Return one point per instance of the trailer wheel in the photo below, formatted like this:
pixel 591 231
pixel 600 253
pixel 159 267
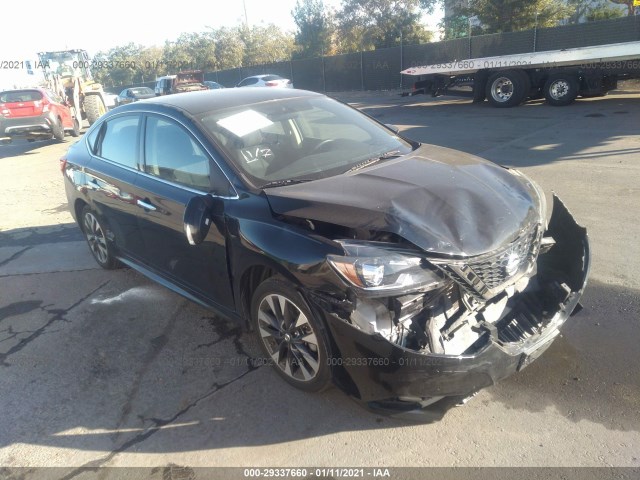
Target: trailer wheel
pixel 561 89
pixel 94 108
pixel 508 88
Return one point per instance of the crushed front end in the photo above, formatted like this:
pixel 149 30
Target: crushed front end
pixel 470 323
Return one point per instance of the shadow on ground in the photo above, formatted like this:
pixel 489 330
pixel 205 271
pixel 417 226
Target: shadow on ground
pixel 128 365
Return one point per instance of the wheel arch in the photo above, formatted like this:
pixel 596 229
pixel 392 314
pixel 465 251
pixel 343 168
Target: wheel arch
pixel 78 205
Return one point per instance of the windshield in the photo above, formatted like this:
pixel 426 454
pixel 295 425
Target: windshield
pixel 299 139
pixel 65 64
pixel 142 91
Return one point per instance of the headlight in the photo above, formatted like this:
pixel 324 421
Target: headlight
pixel 378 267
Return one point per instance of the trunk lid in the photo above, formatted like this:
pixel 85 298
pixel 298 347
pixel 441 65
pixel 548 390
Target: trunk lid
pixel 26 103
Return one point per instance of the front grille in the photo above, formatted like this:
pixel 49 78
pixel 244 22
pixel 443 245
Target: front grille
pixel 482 277
pixel 499 269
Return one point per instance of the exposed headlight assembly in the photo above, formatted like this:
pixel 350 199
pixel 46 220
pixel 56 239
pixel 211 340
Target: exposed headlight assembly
pixel 378 267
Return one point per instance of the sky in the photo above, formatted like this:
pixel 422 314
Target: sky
pixel 120 22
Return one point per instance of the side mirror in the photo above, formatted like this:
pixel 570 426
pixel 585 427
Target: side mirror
pixel 197 218
pixel 392 127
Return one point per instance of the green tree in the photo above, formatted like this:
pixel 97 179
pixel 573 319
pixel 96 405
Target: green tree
pixel 211 50
pixel 497 16
pixel 265 44
pixel 229 48
pixel 588 10
pixel 116 66
pixel 315 28
pixel 190 50
pixel 455 26
pixel 370 24
pixel 149 64
pixel 628 3
pixel 604 11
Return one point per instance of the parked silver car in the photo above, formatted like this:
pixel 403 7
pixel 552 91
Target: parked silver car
pixel 266 81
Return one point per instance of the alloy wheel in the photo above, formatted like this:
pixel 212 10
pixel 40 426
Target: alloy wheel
pixel 95 238
pixel 289 337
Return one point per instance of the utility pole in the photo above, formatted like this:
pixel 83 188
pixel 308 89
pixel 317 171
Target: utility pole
pixel 246 20
pixel 401 55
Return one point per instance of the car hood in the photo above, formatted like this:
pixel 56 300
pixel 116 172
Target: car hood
pixel 441 200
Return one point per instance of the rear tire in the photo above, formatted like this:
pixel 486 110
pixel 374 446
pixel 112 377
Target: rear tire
pixel 76 128
pixel 561 89
pixel 58 130
pixel 480 87
pixel 94 233
pixel 94 107
pixel 290 336
pixel 507 88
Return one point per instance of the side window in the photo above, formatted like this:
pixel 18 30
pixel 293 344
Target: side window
pixel 248 81
pixel 119 141
pixel 172 154
pixel 54 97
pixel 91 139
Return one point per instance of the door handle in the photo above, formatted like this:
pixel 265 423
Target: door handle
pixel 146 205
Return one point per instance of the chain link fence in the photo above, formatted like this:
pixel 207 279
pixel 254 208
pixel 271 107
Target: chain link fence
pixel 380 69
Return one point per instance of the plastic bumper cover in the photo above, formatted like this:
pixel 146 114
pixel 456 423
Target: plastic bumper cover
pixel 390 378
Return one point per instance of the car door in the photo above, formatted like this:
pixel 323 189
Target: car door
pixel 111 175
pixel 177 168
pixel 61 109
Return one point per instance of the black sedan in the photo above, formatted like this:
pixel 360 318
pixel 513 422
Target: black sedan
pixel 409 275
pixel 134 94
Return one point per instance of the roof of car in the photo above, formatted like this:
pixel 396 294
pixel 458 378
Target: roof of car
pixel 262 76
pixel 39 89
pixel 207 100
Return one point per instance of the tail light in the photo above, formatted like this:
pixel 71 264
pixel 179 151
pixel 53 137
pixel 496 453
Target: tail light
pixel 271 84
pixel 4 110
pixel 63 164
pixel 40 106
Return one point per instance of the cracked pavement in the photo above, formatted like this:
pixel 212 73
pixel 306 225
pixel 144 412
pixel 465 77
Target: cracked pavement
pixel 106 368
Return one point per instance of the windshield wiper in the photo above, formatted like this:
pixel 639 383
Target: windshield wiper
pixel 285 182
pixel 371 161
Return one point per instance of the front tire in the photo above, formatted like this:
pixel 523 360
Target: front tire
pixel 94 108
pixel 94 233
pixel 290 335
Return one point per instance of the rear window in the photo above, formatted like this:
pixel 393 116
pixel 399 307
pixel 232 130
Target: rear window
pixel 142 91
pixel 272 77
pixel 20 96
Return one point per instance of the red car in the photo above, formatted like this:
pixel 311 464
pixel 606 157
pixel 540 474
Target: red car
pixel 35 113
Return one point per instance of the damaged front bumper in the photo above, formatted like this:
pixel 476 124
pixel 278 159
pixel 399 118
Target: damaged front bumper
pixel 391 378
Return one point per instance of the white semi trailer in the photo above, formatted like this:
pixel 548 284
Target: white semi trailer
pixel 560 76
